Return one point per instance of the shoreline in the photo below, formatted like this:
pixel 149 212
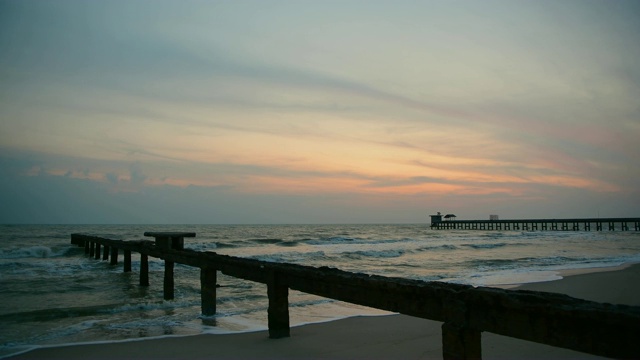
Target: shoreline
pixel 564 273
pixel 385 336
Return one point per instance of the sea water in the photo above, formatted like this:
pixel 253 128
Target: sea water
pixel 52 293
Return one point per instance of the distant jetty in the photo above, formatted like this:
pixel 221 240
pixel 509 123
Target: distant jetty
pixel 444 222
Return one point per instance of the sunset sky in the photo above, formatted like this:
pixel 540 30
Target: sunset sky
pixel 318 111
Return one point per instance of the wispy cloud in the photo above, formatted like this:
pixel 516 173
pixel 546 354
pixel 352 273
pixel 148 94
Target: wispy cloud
pixel 439 104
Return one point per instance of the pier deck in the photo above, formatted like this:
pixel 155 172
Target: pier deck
pixel 587 224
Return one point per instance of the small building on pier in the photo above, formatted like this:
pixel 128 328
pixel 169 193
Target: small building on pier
pixel 436 218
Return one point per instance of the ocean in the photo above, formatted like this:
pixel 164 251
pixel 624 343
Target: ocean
pixel 51 293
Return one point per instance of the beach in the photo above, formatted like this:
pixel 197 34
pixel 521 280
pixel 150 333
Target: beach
pixel 382 337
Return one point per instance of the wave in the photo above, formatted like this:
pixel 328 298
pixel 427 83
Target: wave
pixel 486 246
pixel 375 254
pixel 221 245
pixel 266 241
pixel 437 247
pixel 59 313
pixel 550 262
pixel 339 240
pixel 292 257
pixel 331 240
pixel 37 251
pixel 500 263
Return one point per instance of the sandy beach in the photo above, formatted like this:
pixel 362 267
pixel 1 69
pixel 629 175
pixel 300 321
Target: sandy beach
pixel 382 337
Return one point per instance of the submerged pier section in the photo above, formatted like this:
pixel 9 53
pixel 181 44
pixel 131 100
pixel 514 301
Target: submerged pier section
pixel 597 224
pixel 552 319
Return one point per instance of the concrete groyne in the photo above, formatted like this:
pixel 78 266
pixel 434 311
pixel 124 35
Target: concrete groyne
pixel 552 319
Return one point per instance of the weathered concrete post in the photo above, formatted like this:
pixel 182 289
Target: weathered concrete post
pixel 169 240
pixel 144 270
pixel 105 255
pixel 114 255
pixel 97 251
pixel 168 280
pixel 278 312
pixel 208 280
pixel 460 343
pixel 127 261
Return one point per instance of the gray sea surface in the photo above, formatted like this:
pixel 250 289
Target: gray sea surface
pixel 52 293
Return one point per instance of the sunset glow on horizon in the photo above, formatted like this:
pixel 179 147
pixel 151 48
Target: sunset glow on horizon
pixel 305 112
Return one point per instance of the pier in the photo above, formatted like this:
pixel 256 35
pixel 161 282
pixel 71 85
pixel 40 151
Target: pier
pixel 552 319
pixel 589 224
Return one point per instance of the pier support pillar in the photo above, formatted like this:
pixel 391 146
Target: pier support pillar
pixel 127 261
pixel 97 251
pixel 87 246
pixel 105 255
pixel 278 312
pixel 460 343
pixel 114 255
pixel 144 270
pixel 208 280
pixel 92 249
pixel 168 280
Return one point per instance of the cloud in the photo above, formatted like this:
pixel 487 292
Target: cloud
pixel 361 109
pixel 112 178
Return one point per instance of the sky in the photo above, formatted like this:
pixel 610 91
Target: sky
pixel 258 112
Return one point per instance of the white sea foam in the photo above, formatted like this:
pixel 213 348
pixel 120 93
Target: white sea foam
pixel 37 251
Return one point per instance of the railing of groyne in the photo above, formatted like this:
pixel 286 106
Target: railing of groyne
pixel 547 318
pixel 599 224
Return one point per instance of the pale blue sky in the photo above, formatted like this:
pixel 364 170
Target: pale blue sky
pixel 308 111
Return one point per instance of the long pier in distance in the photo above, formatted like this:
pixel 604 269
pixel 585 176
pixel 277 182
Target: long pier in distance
pixel 447 222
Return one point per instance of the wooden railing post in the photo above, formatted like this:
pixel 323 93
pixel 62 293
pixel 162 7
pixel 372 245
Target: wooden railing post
pixel 460 342
pixel 208 279
pixel 278 312
pixel 127 261
pixel 144 270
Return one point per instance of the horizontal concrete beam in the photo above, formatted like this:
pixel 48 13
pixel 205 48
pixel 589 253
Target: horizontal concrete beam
pixel 553 319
